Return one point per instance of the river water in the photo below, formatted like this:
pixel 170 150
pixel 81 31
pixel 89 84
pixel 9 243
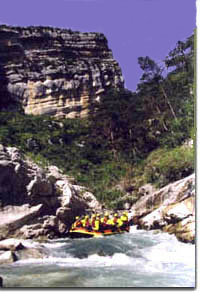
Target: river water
pixel 136 259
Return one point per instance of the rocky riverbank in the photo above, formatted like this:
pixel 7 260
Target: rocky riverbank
pixel 12 250
pixel 171 209
pixel 38 202
pixel 41 203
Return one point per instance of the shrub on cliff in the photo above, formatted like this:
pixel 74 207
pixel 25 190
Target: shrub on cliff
pixel 168 165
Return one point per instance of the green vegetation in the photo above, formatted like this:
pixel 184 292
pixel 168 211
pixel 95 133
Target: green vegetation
pixel 68 144
pixel 167 165
pixel 128 138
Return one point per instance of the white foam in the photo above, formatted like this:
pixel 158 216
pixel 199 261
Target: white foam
pixel 54 245
pixel 143 255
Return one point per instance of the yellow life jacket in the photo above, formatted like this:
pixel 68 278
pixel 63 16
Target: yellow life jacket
pixel 112 221
pixel 83 222
pixel 124 218
pixel 119 222
pixel 96 225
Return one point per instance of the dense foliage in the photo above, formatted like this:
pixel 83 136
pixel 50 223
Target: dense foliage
pixel 159 113
pixel 165 166
pixel 125 135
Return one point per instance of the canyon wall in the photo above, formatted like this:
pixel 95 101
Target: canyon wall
pixel 54 71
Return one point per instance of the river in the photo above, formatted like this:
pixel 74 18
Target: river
pixel 136 259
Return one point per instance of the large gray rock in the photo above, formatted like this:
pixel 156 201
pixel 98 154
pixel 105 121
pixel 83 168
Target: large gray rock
pixel 12 250
pixel 171 209
pixel 33 253
pixel 39 187
pixel 37 202
pixel 11 244
pixel 7 257
pixel 172 193
pixel 14 217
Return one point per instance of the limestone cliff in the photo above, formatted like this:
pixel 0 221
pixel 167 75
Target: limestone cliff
pixel 54 71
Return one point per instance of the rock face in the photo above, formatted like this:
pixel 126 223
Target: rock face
pixel 37 202
pixel 171 209
pixel 54 71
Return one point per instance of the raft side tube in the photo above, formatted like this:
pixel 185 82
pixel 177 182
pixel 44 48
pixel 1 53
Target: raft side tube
pixel 80 232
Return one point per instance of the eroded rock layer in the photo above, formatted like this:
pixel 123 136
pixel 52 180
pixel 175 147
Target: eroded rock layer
pixel 54 71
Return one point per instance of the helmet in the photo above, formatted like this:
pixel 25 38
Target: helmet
pixel 86 217
pixel 125 213
pixel 77 217
pixel 98 215
pixel 115 215
pixel 106 214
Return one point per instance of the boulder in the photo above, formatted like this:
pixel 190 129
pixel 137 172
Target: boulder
pixel 153 220
pixel 172 193
pixel 31 231
pixel 63 188
pixel 171 209
pixel 7 257
pixel 86 197
pixel 37 202
pixel 11 244
pixel 184 230
pixel 16 216
pixel 180 210
pixel 18 250
pixel 39 187
pixel 31 252
pixel 50 222
pixel 63 213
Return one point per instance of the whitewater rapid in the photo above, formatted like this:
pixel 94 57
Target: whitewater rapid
pixel 136 259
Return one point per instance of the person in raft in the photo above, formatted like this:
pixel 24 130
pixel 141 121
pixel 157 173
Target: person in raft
pixel 96 223
pixel 124 218
pixel 86 222
pixel 115 223
pixel 104 221
pixel 96 226
pixel 77 223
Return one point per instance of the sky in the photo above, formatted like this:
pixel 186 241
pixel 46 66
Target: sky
pixel 133 28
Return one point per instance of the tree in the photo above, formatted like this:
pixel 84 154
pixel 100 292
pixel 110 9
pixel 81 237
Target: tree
pixel 110 119
pixel 167 98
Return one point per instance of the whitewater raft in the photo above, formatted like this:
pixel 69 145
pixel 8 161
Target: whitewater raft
pixel 81 232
